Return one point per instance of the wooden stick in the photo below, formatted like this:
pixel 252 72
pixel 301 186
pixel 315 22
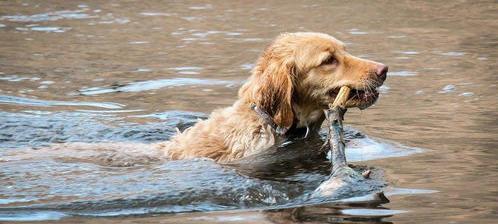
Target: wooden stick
pixel 343 179
pixel 335 115
pixel 336 138
pixel 342 97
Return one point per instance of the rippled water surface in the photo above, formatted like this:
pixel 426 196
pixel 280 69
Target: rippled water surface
pixel 132 72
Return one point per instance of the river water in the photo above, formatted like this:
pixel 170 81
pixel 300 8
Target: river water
pixel 134 71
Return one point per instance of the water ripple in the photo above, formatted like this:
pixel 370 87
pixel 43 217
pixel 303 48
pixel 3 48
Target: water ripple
pixel 6 99
pixel 402 73
pixel 49 16
pixel 153 85
pixel 129 177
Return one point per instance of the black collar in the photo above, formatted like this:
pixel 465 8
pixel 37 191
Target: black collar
pixel 268 120
pixel 291 133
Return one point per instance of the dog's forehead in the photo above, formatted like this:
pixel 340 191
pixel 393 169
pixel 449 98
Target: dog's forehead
pixel 321 40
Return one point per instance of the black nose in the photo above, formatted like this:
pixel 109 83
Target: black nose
pixel 382 71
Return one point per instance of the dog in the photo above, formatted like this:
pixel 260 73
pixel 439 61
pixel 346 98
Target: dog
pixel 297 76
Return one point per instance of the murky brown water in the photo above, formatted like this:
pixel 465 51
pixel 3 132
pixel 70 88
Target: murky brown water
pixel 73 71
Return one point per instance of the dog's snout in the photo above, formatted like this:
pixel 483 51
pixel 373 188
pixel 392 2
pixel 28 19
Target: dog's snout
pixel 381 71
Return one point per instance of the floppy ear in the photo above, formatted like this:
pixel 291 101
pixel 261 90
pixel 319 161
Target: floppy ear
pixel 270 87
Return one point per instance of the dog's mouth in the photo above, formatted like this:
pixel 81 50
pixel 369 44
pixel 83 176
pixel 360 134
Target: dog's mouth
pixel 360 98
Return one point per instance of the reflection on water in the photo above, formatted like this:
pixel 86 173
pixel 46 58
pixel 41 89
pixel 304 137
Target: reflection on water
pixel 130 71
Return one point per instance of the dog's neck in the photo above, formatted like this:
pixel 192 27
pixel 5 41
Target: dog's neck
pixel 306 121
pixel 309 119
pixel 268 120
pixel 306 117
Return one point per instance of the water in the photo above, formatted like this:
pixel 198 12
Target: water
pixel 133 71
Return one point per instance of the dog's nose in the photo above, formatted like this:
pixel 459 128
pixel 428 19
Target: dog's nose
pixel 382 71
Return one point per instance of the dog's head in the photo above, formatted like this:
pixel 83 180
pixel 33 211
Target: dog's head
pixel 306 70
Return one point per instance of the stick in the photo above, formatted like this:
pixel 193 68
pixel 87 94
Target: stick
pixel 343 179
pixel 335 116
pixel 341 98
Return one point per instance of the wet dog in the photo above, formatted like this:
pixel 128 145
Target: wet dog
pixel 295 78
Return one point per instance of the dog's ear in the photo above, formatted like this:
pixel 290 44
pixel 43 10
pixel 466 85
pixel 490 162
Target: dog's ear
pixel 271 87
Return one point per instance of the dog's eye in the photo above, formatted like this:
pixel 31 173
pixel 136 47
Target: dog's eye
pixel 329 61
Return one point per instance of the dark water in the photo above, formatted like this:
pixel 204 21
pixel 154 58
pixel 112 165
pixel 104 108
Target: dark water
pixel 133 71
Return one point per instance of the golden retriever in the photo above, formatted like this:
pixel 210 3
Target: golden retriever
pixel 294 80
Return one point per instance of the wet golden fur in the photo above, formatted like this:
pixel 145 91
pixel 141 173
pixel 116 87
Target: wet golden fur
pixel 293 81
